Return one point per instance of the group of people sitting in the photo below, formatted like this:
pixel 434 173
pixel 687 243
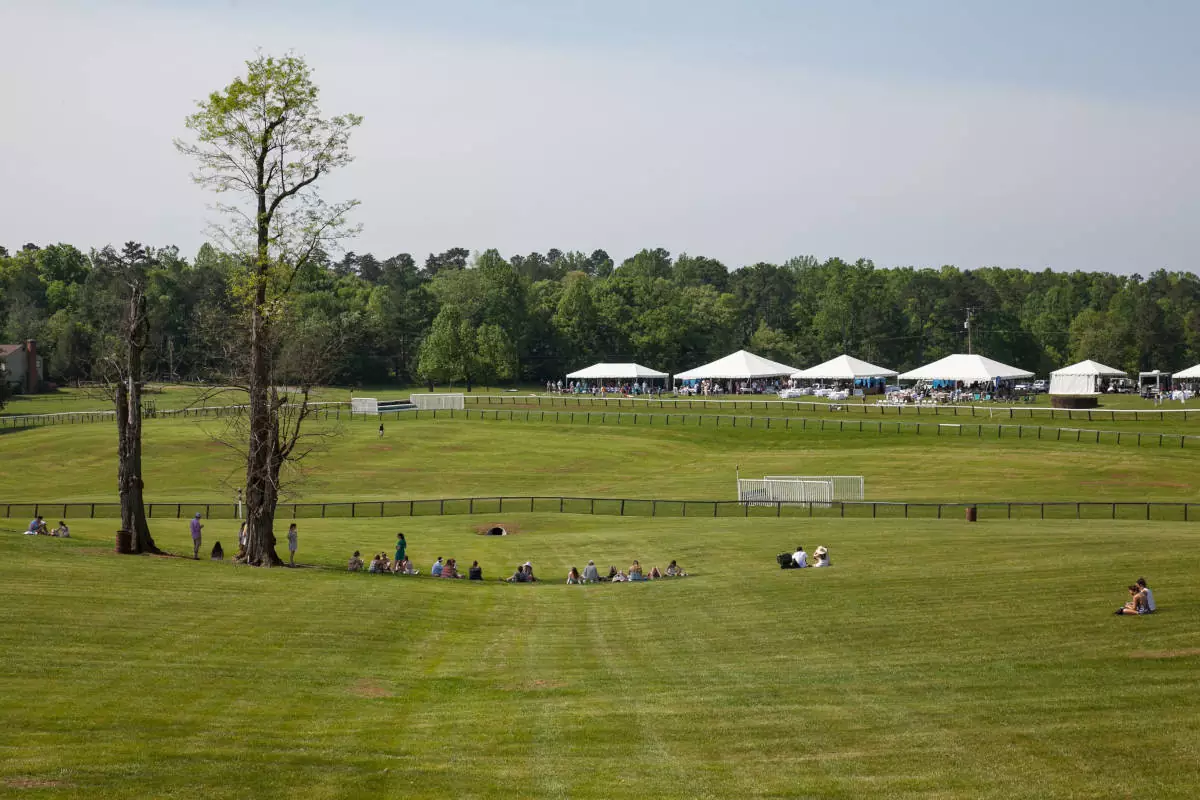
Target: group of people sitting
pixel 38 527
pixel 799 559
pixel 1141 600
pixel 448 568
pixel 380 563
pixel 635 573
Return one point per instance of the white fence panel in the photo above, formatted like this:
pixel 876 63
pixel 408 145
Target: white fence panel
pixel 845 487
pixel 440 402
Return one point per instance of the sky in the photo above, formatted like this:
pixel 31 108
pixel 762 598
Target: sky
pixel 1058 133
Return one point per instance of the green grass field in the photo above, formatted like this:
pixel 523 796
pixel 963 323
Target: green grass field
pixel 935 659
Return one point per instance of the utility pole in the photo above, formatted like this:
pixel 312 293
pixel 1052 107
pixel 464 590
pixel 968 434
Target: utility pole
pixel 967 326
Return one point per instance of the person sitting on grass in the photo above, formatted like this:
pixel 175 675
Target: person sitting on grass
pixel 635 571
pixel 619 577
pixel 590 574
pixel 822 557
pixel 450 570
pixel 406 567
pixel 655 574
pixel 674 570
pixel 1149 595
pixel 518 576
pixel 384 564
pixel 800 558
pixel 355 564
pixel 436 569
pixel 475 573
pixel 529 573
pixel 62 531
pixel 374 565
pixel 36 525
pixel 573 578
pixel 1136 604
pixel 612 573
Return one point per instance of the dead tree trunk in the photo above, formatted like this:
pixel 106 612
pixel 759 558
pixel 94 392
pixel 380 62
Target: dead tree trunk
pixel 128 398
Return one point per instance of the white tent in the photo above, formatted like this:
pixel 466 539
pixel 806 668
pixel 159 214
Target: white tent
pixel 1189 374
pixel 1082 378
pixel 844 368
pixel 965 368
pixel 738 366
pixel 603 371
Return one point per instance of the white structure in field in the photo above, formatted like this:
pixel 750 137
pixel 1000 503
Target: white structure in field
pixel 768 492
pixel 604 371
pixel 966 368
pixel 844 487
pixel 364 405
pixel 438 402
pixel 1083 378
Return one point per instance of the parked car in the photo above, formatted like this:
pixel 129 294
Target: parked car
pixel 1041 385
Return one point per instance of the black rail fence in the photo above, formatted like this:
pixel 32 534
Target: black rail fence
pixel 323 410
pixel 1153 511
pixel 751 402
pixel 819 424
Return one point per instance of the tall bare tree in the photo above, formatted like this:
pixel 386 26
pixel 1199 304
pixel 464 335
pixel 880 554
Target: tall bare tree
pixel 263 142
pixel 122 351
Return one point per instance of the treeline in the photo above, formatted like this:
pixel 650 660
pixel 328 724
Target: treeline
pixel 484 317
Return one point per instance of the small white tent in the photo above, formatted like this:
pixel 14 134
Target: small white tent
pixel 966 368
pixel 1082 378
pixel 603 371
pixel 844 368
pixel 739 366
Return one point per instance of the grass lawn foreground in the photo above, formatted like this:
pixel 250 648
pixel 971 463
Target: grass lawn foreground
pixel 935 659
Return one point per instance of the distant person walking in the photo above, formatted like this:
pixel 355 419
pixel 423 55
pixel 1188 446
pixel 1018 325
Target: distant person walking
pixel 380 430
pixel 293 538
pixel 196 528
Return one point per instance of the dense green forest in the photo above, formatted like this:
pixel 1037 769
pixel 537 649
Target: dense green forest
pixel 485 317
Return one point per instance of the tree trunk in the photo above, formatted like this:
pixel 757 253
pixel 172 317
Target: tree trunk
pixel 129 441
pixel 262 488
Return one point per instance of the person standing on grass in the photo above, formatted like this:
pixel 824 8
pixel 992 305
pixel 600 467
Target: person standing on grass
pixel 381 429
pixel 293 538
pixel 401 547
pixel 196 528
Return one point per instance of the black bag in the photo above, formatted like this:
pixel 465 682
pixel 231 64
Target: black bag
pixel 785 560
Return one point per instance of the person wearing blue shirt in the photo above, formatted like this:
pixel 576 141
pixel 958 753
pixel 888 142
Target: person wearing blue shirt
pixel 436 570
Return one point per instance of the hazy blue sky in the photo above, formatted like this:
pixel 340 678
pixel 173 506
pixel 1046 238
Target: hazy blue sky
pixel 1017 133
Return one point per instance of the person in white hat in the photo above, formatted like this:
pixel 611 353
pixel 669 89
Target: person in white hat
pixel 196 528
pixel 822 556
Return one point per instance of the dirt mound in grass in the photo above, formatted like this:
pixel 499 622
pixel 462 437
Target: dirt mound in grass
pixel 497 529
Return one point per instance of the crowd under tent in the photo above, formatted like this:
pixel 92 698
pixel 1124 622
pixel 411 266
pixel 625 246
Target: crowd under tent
pixel 967 369
pixel 844 368
pixel 739 366
pixel 1086 377
pixel 616 372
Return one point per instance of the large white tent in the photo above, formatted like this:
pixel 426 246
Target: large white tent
pixel 739 366
pixel 844 368
pixel 967 368
pixel 603 371
pixel 1082 378
pixel 1189 374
